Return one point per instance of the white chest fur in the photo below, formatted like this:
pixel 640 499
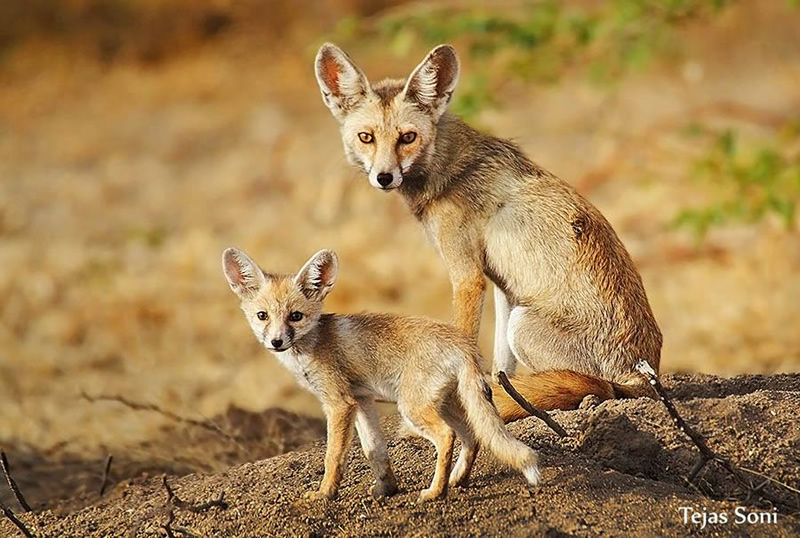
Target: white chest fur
pixel 300 367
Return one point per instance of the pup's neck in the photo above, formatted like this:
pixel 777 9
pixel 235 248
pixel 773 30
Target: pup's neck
pixel 306 344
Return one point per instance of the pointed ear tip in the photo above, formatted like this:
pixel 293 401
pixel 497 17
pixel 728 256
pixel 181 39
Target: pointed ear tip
pixel 445 48
pixel 326 253
pixel 327 48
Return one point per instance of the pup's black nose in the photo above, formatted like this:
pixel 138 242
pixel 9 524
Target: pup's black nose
pixel 277 343
pixel 384 178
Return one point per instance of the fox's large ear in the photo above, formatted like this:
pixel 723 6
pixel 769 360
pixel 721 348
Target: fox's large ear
pixel 432 83
pixel 342 83
pixel 318 275
pixel 244 275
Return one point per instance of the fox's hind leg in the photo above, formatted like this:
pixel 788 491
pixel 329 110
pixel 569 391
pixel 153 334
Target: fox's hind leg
pixel 456 418
pixel 429 422
pixel 374 445
pixel 504 359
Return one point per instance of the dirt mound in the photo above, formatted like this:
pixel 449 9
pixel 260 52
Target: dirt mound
pixel 63 481
pixel 620 473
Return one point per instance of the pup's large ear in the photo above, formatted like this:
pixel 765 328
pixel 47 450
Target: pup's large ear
pixel 318 275
pixel 244 275
pixel 342 83
pixel 432 83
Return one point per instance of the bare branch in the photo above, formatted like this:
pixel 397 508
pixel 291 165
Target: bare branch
pixel 106 471
pixel 526 405
pixel 168 525
pixel 148 407
pixel 138 406
pixel 13 483
pixel 706 454
pixel 19 524
pixel 176 501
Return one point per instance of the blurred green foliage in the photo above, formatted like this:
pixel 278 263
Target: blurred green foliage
pixel 747 182
pixel 539 41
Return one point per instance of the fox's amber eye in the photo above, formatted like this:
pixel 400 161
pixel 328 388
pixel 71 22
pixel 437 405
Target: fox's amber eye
pixel 366 138
pixel 295 316
pixel 407 138
pixel 261 315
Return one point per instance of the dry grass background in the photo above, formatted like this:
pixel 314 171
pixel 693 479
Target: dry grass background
pixel 124 174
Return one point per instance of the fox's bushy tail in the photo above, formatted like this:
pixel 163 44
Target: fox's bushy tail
pixel 562 389
pixel 487 426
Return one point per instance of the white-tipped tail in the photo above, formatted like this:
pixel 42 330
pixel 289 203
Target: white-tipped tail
pixel 489 428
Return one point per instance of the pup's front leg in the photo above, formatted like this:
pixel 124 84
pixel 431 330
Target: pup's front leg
pixel 340 418
pixel 375 449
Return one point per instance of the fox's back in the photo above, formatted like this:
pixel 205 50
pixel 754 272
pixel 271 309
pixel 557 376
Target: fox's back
pixel 379 349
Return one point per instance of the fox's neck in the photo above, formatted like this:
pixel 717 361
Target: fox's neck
pixel 308 342
pixel 452 155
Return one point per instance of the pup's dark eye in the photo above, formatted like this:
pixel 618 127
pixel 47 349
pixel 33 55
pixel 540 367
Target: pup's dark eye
pixel 261 315
pixel 407 138
pixel 295 316
pixel 366 138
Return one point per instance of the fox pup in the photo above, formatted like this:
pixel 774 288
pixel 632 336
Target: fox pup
pixel 430 369
pixel 569 301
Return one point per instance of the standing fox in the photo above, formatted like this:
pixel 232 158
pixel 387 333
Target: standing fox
pixel 569 303
pixel 430 369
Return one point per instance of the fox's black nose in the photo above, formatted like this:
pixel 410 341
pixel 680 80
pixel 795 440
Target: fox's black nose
pixel 277 343
pixel 384 178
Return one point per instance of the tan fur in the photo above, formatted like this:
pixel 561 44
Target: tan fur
pixel 553 389
pixel 430 369
pixel 568 296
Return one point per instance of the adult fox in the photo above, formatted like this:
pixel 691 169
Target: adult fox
pixel 569 301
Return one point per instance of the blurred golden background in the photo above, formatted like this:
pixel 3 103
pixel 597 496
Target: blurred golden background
pixel 139 138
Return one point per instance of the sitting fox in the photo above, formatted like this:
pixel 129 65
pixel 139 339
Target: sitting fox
pixel 430 369
pixel 569 303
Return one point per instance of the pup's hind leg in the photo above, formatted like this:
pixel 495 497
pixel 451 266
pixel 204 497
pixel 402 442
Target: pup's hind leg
pixel 374 445
pixel 456 418
pixel 428 421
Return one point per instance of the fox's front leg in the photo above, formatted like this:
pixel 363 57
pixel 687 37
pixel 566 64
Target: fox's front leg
pixel 461 252
pixel 468 301
pixel 340 419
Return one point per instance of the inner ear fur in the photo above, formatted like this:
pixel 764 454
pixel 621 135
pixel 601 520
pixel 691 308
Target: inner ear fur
pixel 342 83
pixel 432 83
pixel 244 275
pixel 318 275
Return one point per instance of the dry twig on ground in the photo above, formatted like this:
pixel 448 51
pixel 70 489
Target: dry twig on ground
pixel 526 405
pixel 106 471
pixel 138 406
pixel 707 454
pixel 19 524
pixel 175 502
pixel 13 483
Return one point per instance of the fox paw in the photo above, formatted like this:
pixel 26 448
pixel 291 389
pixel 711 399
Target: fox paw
pixel 590 401
pixel 428 495
pixel 459 482
pixel 317 496
pixel 383 489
